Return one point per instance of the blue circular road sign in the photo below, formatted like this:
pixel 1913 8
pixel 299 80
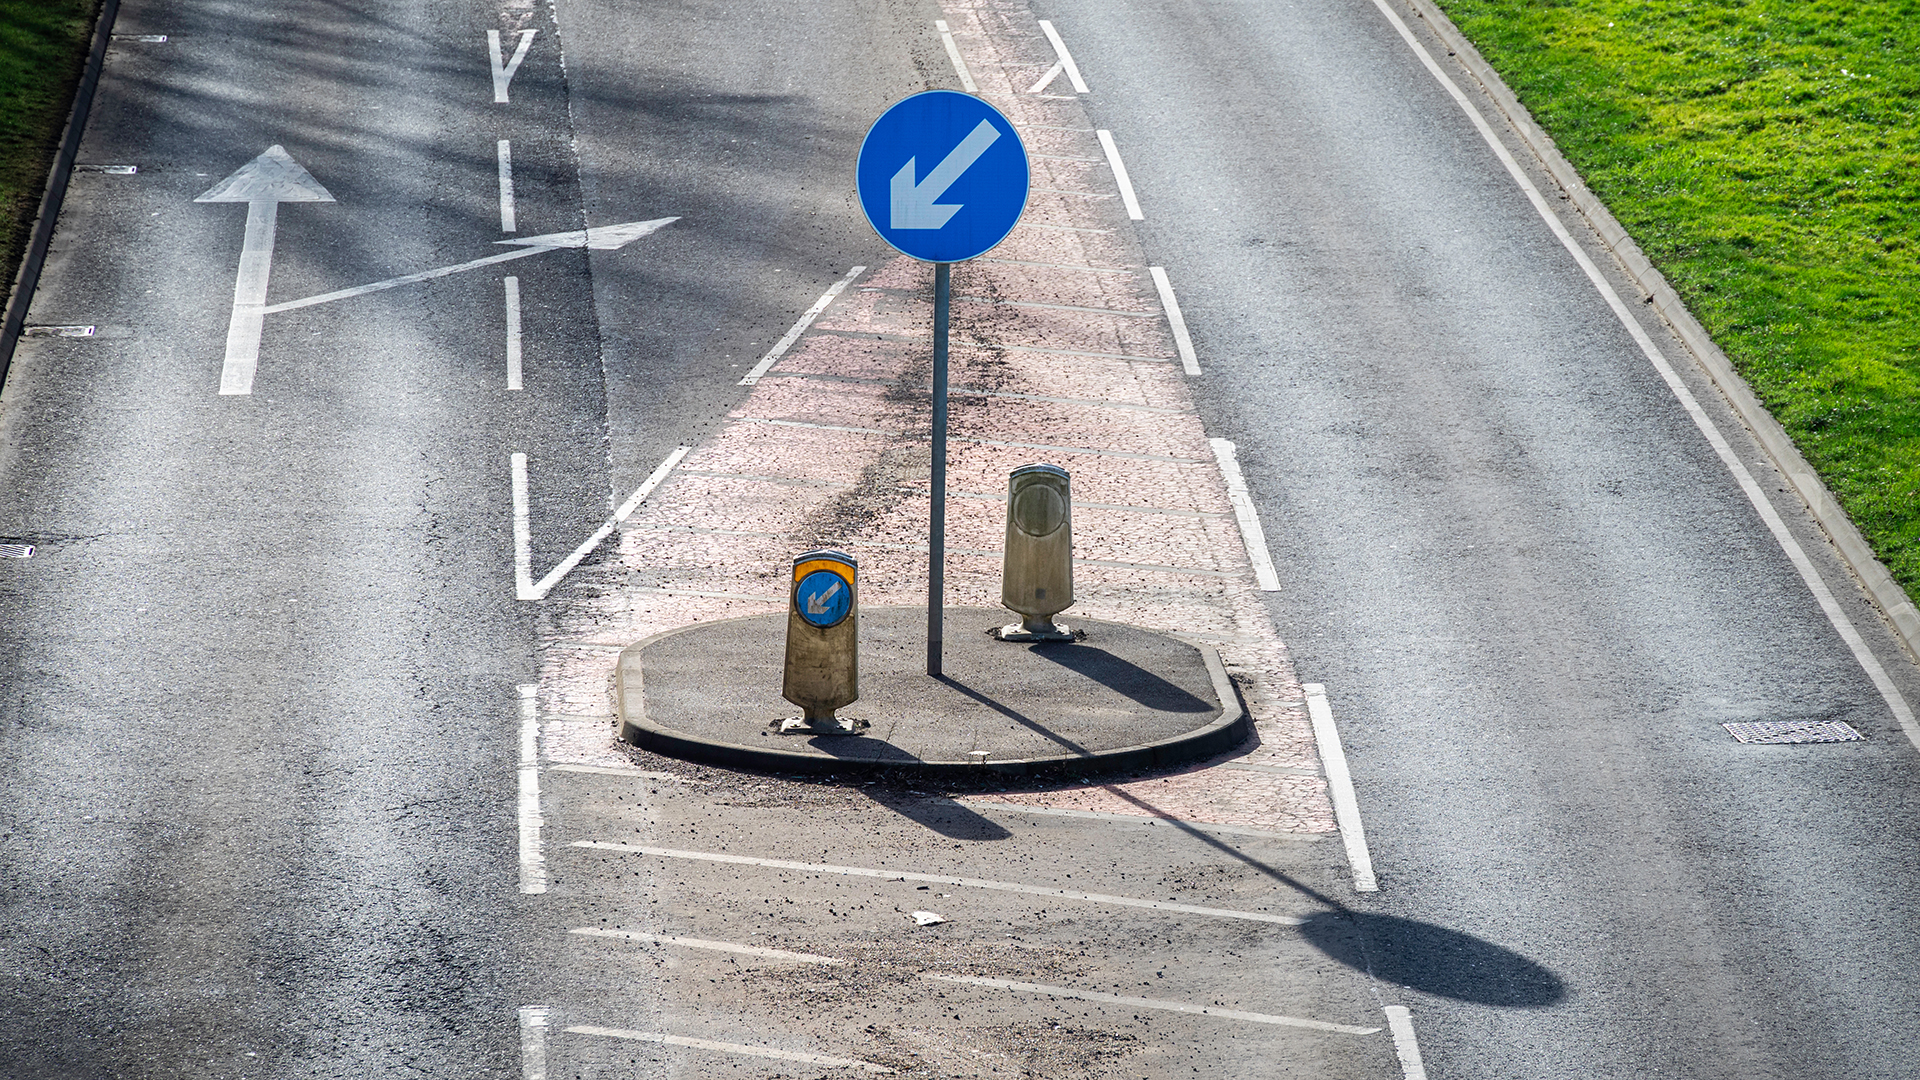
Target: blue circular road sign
pixel 942 176
pixel 823 598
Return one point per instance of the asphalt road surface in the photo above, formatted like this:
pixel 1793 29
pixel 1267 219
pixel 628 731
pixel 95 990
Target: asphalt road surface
pixel 261 678
pixel 260 673
pixel 1532 589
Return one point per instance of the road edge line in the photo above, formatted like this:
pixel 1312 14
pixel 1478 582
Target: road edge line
pixel 1182 341
pixel 1066 59
pixel 953 54
pixel 1346 807
pixel 1841 622
pixel 533 859
pixel 1895 606
pixel 1405 1046
pixel 1120 177
pixel 534 1021
pixel 1252 536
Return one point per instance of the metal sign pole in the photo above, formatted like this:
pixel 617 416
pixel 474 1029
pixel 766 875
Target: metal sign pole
pixel 942 177
pixel 937 511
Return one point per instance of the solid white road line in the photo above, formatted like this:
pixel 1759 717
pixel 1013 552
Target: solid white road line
pixel 727 1048
pixel 513 334
pixel 1127 819
pixel 602 238
pixel 406 279
pixel 1153 1003
pixel 937 879
pixel 953 53
pixel 533 860
pixel 1120 174
pixel 507 223
pixel 806 319
pixel 1181 341
pixel 533 1041
pixel 615 770
pixel 1346 809
pixel 522 529
pixel 1254 537
pixel 525 588
pixel 1066 58
pixel 503 69
pixel 1400 1021
pixel 1047 79
pixel 701 943
pixel 1795 553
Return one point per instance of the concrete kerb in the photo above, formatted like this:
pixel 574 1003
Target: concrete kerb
pixel 26 279
pixel 1896 607
pixel 1227 726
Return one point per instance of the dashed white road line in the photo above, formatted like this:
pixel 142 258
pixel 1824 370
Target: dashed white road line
pixel 513 334
pixel 533 860
pixel 1876 673
pixel 1066 61
pixel 525 588
pixel 533 1041
pixel 505 154
pixel 937 879
pixel 702 943
pixel 1154 1003
pixel 503 68
pixel 1346 809
pixel 727 1047
pixel 799 327
pixel 1251 534
pixel 1400 1022
pixel 522 529
pixel 1189 362
pixel 1120 178
pixel 953 53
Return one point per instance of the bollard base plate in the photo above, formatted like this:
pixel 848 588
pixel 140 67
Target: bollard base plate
pixel 831 725
pixel 1025 633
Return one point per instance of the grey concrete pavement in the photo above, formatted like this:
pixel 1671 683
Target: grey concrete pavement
pixel 1532 589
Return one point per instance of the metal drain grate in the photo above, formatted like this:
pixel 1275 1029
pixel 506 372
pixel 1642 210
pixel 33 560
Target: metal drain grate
pixel 1793 731
pixel 16 551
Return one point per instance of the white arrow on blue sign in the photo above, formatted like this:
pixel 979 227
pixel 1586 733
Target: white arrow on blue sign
pixel 942 176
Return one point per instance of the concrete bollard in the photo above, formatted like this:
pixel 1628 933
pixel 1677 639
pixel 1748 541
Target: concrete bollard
pixel 823 644
pixel 1037 578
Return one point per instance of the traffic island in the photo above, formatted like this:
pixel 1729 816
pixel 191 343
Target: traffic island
pixel 1118 699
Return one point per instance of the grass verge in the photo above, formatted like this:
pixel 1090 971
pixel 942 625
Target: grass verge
pixel 43 46
pixel 1766 157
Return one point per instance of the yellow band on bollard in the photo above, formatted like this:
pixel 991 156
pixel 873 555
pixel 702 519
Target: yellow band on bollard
pixel 801 570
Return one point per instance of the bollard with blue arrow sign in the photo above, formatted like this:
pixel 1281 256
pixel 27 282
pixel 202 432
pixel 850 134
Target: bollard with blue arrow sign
pixel 943 178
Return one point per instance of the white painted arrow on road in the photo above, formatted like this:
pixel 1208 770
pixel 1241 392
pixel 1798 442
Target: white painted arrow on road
pixel 913 204
pixel 274 178
pixel 599 238
pixel 263 184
